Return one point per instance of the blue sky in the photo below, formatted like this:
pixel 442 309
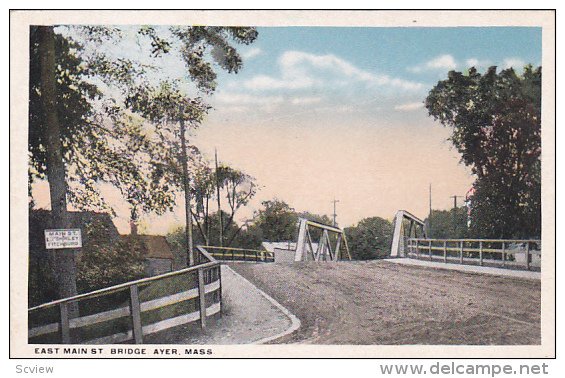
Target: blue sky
pixel 347 66
pixel 319 113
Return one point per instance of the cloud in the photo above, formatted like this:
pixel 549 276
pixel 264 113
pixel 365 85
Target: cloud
pixel 477 63
pixel 442 62
pixel 516 63
pixel 261 82
pixel 409 107
pixel 305 100
pixel 299 70
pixel 239 99
pixel 251 53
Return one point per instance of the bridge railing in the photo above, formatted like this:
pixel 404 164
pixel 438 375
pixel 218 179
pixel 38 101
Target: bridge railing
pixel 237 254
pixel 131 311
pixel 512 253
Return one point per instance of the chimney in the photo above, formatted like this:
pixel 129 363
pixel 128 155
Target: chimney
pixel 133 227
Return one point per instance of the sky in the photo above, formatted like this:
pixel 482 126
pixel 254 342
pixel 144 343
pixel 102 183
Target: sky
pixel 321 113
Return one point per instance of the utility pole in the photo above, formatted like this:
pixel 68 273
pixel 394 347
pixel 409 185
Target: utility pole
pixel 219 202
pixel 186 187
pixel 455 200
pixel 335 214
pixel 455 214
pixel 430 215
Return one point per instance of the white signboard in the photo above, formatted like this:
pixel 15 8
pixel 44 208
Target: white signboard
pixel 66 238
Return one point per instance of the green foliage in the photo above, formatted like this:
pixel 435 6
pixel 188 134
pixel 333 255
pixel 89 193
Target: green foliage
pixel 277 221
pixel 370 239
pixel 449 224
pixel 116 121
pixel 105 262
pixel 496 126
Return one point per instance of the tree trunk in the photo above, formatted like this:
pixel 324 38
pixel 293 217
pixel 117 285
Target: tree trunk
pixel 186 185
pixel 64 267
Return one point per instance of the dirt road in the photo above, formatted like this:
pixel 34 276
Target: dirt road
pixel 382 303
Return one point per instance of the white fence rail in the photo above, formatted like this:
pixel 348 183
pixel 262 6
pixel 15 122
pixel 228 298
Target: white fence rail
pixel 130 311
pixel 511 253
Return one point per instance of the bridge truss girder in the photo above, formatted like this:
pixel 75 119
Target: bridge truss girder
pixel 324 251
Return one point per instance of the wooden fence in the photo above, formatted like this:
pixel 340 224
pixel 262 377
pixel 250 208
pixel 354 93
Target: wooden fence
pixel 130 311
pixel 521 254
pixel 237 254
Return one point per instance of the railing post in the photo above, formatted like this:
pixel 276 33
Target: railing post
pixel 528 255
pixel 430 249
pixel 481 253
pixel 202 298
pixel 444 251
pixel 503 254
pixel 417 248
pixel 461 251
pixel 135 312
pixel 65 327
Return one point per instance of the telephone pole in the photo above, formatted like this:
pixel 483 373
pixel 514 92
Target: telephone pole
pixel 219 202
pixel 334 214
pixel 455 200
pixel 455 214
pixel 430 215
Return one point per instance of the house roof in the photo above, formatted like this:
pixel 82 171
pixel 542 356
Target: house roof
pixel 155 247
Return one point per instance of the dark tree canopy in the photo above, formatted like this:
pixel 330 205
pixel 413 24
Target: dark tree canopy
pixel 448 224
pixel 370 239
pixel 495 120
pixel 97 117
pixel 113 113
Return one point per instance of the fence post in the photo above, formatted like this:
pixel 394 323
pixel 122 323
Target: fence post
pixel 461 251
pixel 418 248
pixel 481 253
pixel 65 328
pixel 444 251
pixel 430 249
pixel 528 255
pixel 503 254
pixel 202 298
pixel 135 312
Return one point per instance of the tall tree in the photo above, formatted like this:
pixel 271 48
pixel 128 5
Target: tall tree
pixel 495 120
pixel 63 261
pixel 82 128
pixel 238 188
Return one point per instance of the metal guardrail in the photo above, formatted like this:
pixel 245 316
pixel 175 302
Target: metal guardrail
pixel 131 310
pixel 237 254
pixel 512 253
